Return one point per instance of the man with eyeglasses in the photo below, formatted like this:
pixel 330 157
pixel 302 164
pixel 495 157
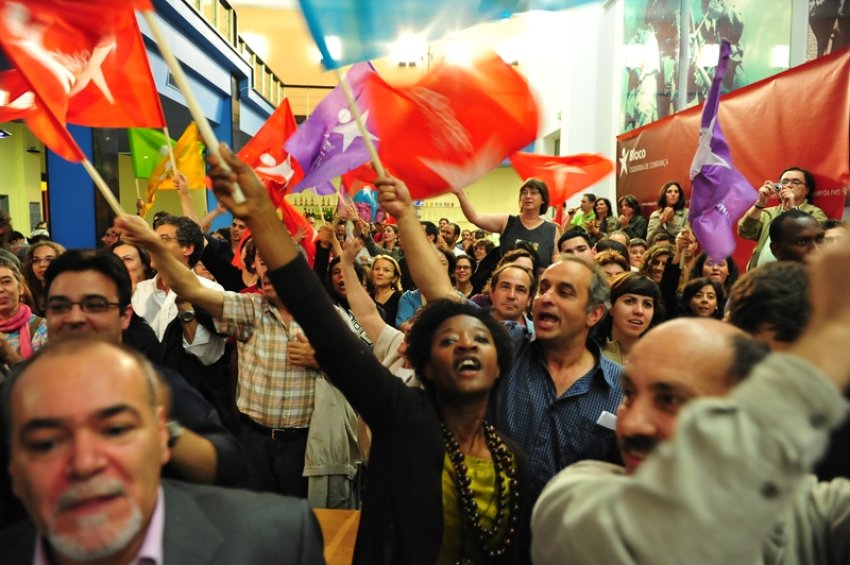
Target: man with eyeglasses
pixel 796 189
pixel 88 294
pixel 154 301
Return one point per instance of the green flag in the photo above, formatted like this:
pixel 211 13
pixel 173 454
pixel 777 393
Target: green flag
pixel 147 148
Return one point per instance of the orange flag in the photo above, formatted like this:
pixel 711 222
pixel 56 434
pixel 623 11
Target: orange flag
pixel 564 176
pixel 80 62
pixel 453 126
pixel 189 154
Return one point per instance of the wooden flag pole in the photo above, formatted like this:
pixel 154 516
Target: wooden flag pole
pixel 194 108
pixel 361 125
pixel 170 150
pixel 104 189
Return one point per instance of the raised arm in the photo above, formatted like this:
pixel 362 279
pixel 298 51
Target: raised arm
pixel 179 278
pixel 208 218
pixel 369 387
pixel 358 299
pixel 489 222
pixel 428 273
pixel 181 184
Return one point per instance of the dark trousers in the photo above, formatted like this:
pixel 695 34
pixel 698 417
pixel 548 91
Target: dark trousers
pixel 275 458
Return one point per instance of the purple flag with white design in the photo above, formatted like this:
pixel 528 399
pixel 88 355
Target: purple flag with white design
pixel 720 193
pixel 329 143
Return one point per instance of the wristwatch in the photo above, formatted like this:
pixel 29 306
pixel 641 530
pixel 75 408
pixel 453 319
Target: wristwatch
pixel 186 316
pixel 175 430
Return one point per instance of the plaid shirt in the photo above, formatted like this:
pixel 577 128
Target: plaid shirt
pixel 271 391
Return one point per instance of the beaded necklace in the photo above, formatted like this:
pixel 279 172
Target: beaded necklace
pixel 507 503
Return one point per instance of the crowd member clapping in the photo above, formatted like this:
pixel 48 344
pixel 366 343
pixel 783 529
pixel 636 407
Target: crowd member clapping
pixel 672 214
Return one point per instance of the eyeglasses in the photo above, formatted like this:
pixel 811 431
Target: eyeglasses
pixel 43 260
pixel 795 182
pixel 529 191
pixel 463 268
pixel 89 305
pixel 166 238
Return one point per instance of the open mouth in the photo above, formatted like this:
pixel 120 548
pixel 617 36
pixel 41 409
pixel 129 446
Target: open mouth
pixel 546 317
pixel 468 364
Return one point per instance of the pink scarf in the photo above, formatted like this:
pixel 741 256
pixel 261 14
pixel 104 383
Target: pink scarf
pixel 20 321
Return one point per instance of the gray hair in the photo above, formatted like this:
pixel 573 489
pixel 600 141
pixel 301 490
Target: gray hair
pixel 599 290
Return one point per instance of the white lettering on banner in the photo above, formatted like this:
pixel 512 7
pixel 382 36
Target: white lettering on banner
pixel 629 155
pixel 649 165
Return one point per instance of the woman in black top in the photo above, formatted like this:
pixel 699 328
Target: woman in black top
pixel 444 486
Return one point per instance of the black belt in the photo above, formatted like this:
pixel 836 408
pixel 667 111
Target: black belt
pixel 274 433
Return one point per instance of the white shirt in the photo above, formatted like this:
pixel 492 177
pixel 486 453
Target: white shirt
pixel 158 309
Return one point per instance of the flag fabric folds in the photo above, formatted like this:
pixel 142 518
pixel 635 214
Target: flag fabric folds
pixel 78 62
pixel 265 153
pixel 453 126
pixel 362 177
pixel 721 194
pixel 295 222
pixel 189 154
pixel 18 101
pixel 564 176
pixel 147 149
pixel 366 28
pixel 329 143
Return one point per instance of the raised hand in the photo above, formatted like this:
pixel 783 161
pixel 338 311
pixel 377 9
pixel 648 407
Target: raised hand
pixel 256 199
pixel 394 196
pixel 181 182
pixel 350 249
pixel 136 231
pixel 326 236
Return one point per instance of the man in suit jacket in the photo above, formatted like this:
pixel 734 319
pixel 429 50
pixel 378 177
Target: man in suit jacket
pixel 88 438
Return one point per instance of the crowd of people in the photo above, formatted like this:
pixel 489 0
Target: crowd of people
pixel 479 398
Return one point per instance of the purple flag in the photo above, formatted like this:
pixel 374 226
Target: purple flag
pixel 329 143
pixel 720 194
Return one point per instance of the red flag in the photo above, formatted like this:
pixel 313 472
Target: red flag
pixel 359 178
pixel 266 155
pixel 454 125
pixel 81 62
pixel 295 221
pixel 133 100
pixel 17 101
pixel 564 176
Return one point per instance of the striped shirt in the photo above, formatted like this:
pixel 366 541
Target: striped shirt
pixel 272 391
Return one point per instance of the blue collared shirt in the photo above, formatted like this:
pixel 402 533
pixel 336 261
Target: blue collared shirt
pixel 555 431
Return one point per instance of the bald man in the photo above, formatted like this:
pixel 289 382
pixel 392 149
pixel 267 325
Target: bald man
pixel 724 480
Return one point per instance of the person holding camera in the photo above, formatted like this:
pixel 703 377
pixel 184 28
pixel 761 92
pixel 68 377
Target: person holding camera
pixel 795 189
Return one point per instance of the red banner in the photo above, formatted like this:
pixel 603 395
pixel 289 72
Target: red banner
pixel 796 118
